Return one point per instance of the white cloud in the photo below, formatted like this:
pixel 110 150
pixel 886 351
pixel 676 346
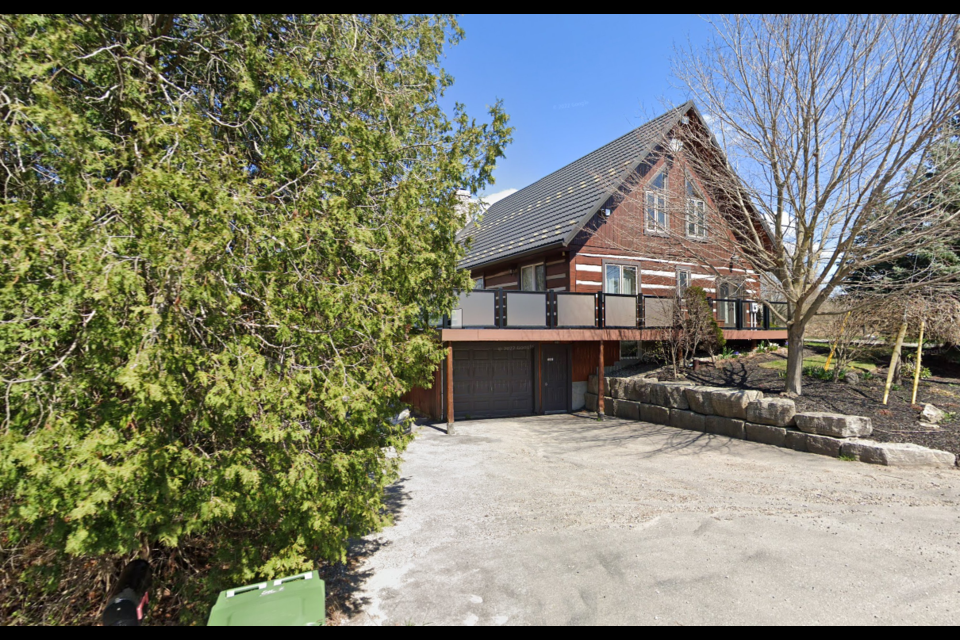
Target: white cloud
pixel 488 200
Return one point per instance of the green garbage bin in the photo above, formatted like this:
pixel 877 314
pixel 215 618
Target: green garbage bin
pixel 294 601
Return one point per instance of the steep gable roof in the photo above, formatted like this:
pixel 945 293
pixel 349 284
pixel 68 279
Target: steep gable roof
pixel 553 209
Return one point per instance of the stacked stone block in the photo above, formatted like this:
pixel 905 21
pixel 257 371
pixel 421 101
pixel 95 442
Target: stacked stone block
pixel 746 414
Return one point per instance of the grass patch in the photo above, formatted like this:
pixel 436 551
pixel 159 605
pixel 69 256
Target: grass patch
pixel 818 361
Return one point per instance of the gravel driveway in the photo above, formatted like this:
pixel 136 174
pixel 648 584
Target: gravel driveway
pixel 566 520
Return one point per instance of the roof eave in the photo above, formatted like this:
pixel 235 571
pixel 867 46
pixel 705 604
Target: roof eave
pixel 514 256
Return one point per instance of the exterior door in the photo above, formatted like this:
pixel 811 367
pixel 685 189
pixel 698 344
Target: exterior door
pixel 728 294
pixel 555 377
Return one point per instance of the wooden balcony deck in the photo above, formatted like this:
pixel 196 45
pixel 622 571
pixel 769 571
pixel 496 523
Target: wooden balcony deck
pixel 590 335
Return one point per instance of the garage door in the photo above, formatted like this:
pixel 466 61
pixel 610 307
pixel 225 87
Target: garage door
pixel 492 381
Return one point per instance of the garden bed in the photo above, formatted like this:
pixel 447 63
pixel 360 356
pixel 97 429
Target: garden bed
pixel 895 422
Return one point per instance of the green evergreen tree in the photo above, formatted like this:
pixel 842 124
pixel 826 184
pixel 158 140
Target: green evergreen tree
pixel 218 235
pixel 937 262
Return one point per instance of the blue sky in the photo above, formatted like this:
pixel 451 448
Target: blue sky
pixel 569 83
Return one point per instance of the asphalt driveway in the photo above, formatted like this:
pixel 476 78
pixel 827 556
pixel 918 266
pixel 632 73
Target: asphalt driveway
pixel 566 520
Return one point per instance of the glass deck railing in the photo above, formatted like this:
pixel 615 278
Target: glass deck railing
pixel 500 309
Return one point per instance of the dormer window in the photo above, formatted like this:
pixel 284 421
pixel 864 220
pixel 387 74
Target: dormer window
pixel 696 212
pixel 657 204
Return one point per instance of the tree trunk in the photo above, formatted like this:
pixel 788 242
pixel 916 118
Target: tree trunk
pixel 894 372
pixel 794 382
pixel 919 365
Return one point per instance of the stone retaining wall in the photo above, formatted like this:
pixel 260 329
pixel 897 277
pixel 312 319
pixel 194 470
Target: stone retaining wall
pixel 745 414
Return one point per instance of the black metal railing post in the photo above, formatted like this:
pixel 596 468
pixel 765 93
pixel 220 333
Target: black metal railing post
pixel 502 320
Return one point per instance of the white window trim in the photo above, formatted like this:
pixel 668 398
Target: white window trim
pixel 702 226
pixel 533 265
pixel 621 267
pixel 689 279
pixel 659 198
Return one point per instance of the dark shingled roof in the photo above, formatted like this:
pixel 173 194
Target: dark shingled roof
pixel 553 209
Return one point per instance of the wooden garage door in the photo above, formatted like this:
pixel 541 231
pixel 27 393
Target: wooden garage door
pixel 492 381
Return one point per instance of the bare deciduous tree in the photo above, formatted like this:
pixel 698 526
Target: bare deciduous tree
pixel 820 166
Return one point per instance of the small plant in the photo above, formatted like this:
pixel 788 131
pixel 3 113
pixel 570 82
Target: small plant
pixel 728 353
pixel 895 387
pixel 848 458
pixel 766 347
pixel 909 367
pixel 820 374
pixel 866 375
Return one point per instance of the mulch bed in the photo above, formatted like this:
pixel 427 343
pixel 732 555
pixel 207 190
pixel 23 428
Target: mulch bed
pixel 895 422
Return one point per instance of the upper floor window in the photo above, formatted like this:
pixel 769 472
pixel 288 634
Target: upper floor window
pixel 618 278
pixel 696 213
pixel 533 278
pixel 657 204
pixel 478 283
pixel 683 280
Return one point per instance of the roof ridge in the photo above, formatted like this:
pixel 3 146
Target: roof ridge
pixel 684 106
pixel 541 218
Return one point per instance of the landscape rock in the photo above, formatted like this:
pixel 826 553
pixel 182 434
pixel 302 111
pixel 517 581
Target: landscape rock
pixel 638 389
pixel 609 407
pixel 766 434
pixel 796 440
pixel 777 412
pixel 733 404
pixel 590 401
pixel 616 387
pixel 896 454
pixel 690 420
pixel 654 413
pixel 932 414
pixel 721 426
pixel 592 384
pixel 852 378
pixel 927 425
pixel 669 394
pixel 400 417
pixel 628 410
pixel 700 399
pixel 823 445
pixel 834 424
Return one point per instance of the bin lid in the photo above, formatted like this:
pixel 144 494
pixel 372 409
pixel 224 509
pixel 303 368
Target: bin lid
pixel 285 602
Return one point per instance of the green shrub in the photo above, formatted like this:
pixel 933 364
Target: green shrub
pixel 214 243
pixel 909 367
pixel 821 374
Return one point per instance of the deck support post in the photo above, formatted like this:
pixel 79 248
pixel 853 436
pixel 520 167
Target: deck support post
pixel 450 430
pixel 600 384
